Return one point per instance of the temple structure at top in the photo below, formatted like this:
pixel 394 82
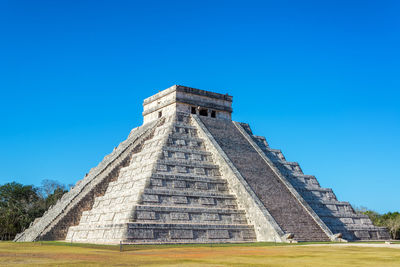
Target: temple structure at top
pixel 187 100
pixel 190 174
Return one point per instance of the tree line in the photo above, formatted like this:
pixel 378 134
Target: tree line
pixel 21 204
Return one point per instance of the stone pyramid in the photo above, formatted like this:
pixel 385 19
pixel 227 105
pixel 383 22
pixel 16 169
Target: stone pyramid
pixel 192 175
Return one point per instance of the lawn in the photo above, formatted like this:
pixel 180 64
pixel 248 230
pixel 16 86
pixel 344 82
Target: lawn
pixel 256 254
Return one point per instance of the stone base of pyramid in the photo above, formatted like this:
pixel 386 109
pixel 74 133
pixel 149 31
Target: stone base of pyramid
pixel 146 233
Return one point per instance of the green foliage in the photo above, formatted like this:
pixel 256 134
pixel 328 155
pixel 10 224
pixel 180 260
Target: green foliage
pixel 390 220
pixel 21 204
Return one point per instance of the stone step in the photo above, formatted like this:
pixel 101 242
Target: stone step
pixel 191 193
pixel 146 155
pixel 372 234
pixel 145 151
pixel 174 135
pixel 115 198
pixel 317 193
pixel 185 167
pixel 154 143
pixel 189 184
pixel 118 209
pixel 182 141
pixel 340 222
pixel 188 233
pixel 186 150
pixel 129 180
pixel 332 207
pixel 137 164
pixel 274 154
pixel 184 125
pixel 306 189
pixel 336 214
pixel 184 129
pixel 310 196
pixel 162 132
pixel 99 217
pixel 188 177
pixel 330 202
pixel 302 178
pixel 362 227
pixel 178 155
pixel 287 170
pixel 187 198
pixel 177 131
pixel 190 209
pixel 313 184
pixel 288 164
pixel 173 214
pixel 187 163
pixel 177 124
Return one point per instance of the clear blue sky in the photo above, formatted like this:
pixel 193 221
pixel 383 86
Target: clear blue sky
pixel 319 79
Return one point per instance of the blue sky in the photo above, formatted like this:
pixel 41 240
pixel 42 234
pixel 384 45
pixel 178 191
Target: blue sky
pixel 319 79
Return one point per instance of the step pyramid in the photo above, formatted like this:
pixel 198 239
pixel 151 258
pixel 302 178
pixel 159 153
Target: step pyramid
pixel 192 175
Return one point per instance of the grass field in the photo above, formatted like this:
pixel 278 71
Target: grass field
pixel 256 254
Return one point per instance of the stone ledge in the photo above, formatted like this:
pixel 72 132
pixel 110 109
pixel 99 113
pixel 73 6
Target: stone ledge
pixel 186 193
pixel 188 177
pixel 188 209
pixel 188 163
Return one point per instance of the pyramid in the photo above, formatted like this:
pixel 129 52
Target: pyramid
pixel 190 174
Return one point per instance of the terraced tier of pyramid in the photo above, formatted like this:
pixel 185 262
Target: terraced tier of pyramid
pixel 192 175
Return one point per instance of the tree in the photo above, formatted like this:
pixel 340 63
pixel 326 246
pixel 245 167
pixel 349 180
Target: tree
pixel 21 204
pixel 17 208
pixel 392 221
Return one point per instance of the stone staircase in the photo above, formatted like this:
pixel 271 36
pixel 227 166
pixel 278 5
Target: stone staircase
pixel 339 216
pixel 284 207
pixel 172 192
pixel 187 200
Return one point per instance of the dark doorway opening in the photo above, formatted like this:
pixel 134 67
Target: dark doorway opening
pixel 203 112
pixel 193 110
pixel 213 114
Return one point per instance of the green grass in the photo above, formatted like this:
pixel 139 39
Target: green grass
pixel 248 254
